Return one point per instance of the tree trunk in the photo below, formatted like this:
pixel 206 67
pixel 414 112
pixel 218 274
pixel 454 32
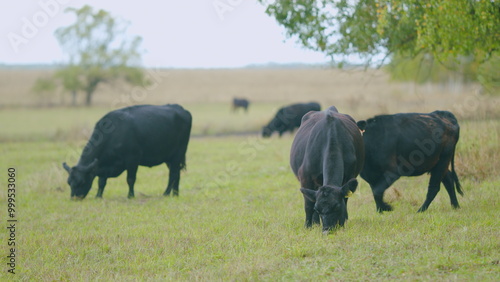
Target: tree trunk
pixel 90 89
pixel 88 98
pixel 73 98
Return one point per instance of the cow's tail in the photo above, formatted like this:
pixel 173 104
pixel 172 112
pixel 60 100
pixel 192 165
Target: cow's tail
pixel 454 175
pixel 182 164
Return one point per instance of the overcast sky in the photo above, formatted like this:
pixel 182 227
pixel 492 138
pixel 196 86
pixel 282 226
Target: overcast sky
pixel 188 33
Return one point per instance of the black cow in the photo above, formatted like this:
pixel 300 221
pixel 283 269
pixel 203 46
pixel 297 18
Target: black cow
pixel 288 118
pixel 326 156
pixel 411 144
pixel 123 139
pixel 240 103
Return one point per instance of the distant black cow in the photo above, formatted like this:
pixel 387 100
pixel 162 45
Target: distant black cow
pixel 123 139
pixel 288 118
pixel 240 103
pixel 411 144
pixel 326 156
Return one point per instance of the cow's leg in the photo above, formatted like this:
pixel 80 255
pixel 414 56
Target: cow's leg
pixel 315 217
pixel 131 175
pixel 309 209
pixel 312 217
pixel 434 186
pixel 346 214
pixel 450 188
pixel 102 184
pixel 378 189
pixel 437 175
pixel 378 195
pixel 173 180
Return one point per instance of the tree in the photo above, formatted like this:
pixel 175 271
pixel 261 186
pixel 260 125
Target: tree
pixel 44 87
pixel 405 28
pixel 71 81
pixel 97 52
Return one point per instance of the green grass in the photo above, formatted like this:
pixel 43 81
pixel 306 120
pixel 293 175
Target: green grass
pixel 240 214
pixel 63 124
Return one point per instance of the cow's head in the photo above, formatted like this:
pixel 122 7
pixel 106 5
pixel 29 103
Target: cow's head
pixel 278 124
pixel 267 131
pixel 330 203
pixel 80 179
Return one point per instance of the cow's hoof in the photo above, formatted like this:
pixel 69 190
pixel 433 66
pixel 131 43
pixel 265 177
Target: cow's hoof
pixel 384 208
pixel 422 209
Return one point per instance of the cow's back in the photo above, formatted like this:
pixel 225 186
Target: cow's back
pixel 294 113
pixel 159 133
pixel 326 138
pixel 297 111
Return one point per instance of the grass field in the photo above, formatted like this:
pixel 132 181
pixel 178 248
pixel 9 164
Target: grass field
pixel 240 213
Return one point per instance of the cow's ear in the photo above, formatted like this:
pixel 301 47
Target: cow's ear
pixel 309 194
pixel 349 187
pixel 66 167
pixel 361 124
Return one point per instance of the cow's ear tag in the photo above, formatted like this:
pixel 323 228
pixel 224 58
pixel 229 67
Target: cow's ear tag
pixel 349 194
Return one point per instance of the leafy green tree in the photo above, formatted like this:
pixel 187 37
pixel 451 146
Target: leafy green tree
pixel 488 74
pixel 396 28
pixel 98 52
pixel 71 80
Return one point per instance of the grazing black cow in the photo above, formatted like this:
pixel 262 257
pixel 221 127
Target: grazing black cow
pixel 411 144
pixel 124 139
pixel 240 103
pixel 326 156
pixel 288 118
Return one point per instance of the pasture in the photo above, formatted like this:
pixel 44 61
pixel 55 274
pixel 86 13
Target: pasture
pixel 240 214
